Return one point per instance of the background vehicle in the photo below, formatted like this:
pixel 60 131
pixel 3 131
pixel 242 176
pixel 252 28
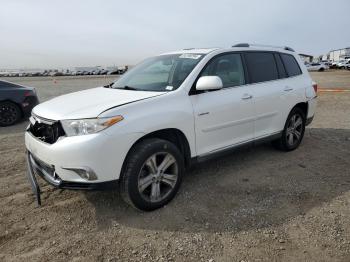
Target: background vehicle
pixel 333 65
pixel 343 64
pixel 316 67
pixel 113 72
pixel 16 102
pixel 56 73
pixel 326 62
pixel 170 111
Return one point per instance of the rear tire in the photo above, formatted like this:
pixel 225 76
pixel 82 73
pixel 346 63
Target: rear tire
pixel 293 131
pixel 152 174
pixel 10 113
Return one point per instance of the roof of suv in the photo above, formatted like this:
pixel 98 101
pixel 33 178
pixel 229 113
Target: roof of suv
pixel 193 51
pixel 238 48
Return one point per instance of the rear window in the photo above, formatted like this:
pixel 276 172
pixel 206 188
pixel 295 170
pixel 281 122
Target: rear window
pixel 4 84
pixel 291 65
pixel 261 66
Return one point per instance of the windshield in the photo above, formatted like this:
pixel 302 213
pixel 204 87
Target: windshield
pixel 160 73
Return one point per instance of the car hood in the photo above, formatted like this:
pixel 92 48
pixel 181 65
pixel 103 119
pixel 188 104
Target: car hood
pixel 89 103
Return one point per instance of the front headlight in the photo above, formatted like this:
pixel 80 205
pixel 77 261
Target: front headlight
pixel 88 126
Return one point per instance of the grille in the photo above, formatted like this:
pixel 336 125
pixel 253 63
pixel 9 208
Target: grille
pixel 47 131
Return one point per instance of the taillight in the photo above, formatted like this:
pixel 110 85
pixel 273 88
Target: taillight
pixel 315 87
pixel 28 93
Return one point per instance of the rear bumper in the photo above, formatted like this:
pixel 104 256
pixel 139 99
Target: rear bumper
pixel 312 103
pixel 28 104
pixel 309 120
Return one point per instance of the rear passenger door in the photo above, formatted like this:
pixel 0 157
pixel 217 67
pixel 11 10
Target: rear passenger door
pixel 268 91
pixel 293 86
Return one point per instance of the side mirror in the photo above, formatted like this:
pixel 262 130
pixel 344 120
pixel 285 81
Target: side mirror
pixel 209 83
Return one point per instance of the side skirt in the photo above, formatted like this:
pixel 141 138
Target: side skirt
pixel 235 147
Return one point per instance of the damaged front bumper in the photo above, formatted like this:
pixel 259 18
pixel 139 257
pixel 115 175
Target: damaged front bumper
pixel 36 167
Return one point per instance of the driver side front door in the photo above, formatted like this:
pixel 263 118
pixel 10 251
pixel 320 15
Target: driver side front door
pixel 224 118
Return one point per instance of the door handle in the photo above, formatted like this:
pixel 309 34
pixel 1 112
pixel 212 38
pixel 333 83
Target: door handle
pixel 287 88
pixel 247 96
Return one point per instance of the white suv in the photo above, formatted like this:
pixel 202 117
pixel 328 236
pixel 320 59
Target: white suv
pixel 141 132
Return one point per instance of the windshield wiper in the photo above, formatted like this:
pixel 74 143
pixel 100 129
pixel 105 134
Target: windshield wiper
pixel 127 88
pixel 109 85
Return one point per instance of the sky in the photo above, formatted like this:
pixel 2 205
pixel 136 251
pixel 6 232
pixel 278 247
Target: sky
pixel 51 33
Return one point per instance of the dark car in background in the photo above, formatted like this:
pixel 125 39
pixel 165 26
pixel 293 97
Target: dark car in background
pixel 16 102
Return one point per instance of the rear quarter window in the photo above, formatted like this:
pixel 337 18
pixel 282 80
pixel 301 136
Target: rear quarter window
pixel 4 84
pixel 261 66
pixel 291 65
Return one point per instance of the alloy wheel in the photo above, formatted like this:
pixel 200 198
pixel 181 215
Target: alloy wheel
pixel 158 176
pixel 294 129
pixel 8 114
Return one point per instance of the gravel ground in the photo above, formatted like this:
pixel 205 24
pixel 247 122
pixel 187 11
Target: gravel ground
pixel 256 204
pixel 332 78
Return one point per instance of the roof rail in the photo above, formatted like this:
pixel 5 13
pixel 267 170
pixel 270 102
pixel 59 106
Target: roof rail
pixel 249 45
pixel 191 48
pixel 289 49
pixel 241 45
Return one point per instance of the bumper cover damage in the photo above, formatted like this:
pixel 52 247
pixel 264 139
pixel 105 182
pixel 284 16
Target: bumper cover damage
pixel 36 167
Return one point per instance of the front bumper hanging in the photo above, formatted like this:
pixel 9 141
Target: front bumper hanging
pixel 36 167
pixel 32 180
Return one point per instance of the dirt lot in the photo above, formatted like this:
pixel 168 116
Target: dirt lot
pixel 254 205
pixel 332 78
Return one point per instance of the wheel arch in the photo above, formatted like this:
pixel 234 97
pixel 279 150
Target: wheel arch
pixel 304 106
pixel 173 135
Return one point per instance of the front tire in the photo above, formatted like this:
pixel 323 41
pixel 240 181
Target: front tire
pixel 10 113
pixel 152 174
pixel 293 131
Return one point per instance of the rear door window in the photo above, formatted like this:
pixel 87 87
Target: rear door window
pixel 261 66
pixel 291 65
